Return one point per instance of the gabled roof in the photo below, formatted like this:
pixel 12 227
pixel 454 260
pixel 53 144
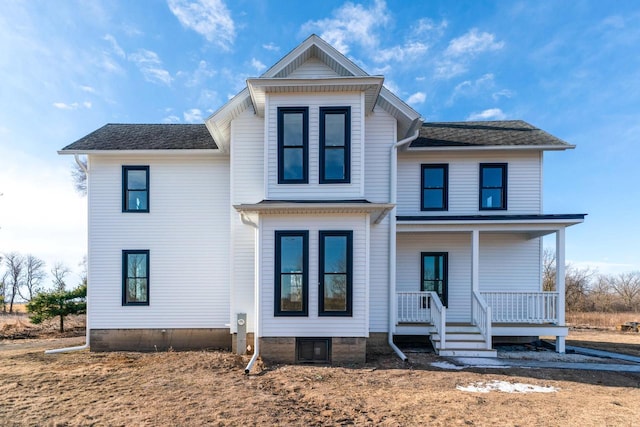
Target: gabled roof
pixel 145 137
pixel 504 133
pixel 219 123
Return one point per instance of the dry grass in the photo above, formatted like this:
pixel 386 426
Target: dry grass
pixel 594 320
pixel 18 326
pixel 209 388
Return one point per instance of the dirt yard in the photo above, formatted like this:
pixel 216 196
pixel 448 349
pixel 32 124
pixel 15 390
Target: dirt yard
pixel 198 388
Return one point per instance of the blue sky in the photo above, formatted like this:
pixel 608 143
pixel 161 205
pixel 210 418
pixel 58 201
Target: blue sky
pixel 571 68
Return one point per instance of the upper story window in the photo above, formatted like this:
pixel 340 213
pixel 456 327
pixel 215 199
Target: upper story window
pixel 335 145
pixel 135 188
pixel 135 277
pixel 291 268
pixel 336 273
pixel 493 186
pixel 435 187
pixel 293 145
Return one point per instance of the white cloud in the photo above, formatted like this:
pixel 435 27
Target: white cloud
pixel 351 23
pixel 72 106
pixel 472 43
pixel 489 114
pixel 272 47
pixel 171 119
pixel 392 86
pixel 401 53
pixel 114 45
pixel 193 115
pixel 199 75
pixel 504 93
pixel 425 26
pixel 87 89
pixel 417 98
pixel 259 66
pixel 208 98
pixel 474 87
pixel 150 66
pixel 209 18
pixel 447 68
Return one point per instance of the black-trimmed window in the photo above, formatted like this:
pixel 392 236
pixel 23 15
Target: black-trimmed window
pixel 291 273
pixel 434 271
pixel 493 186
pixel 293 145
pixel 335 145
pixel 135 188
pixel 135 277
pixel 336 273
pixel 435 187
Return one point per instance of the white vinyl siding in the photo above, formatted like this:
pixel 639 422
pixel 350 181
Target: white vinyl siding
pixel 313 190
pixel 312 68
pixel 247 186
pixel 509 262
pixel 379 277
pixel 380 135
pixel 524 174
pixel 313 325
pixel 186 233
pixel 458 245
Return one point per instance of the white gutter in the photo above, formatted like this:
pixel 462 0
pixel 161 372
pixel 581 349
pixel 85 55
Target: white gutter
pixel 256 294
pixel 392 240
pixel 86 339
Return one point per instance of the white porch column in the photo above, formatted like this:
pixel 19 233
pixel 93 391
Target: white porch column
pixel 475 260
pixel 560 286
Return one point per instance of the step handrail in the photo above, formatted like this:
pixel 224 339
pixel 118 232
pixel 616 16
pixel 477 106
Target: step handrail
pixel 481 312
pixel 439 318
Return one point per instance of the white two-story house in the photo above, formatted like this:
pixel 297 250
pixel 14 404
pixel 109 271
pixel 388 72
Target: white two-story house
pixel 313 217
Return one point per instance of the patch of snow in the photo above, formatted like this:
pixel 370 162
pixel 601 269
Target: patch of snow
pixel 446 365
pixel 506 387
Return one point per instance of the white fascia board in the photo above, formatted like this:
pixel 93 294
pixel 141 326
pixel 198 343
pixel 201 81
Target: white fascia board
pixel 323 46
pixel 234 107
pixel 178 152
pixel 494 147
pixel 466 226
pixel 378 211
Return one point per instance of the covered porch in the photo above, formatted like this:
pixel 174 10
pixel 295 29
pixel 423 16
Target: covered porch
pixel 487 282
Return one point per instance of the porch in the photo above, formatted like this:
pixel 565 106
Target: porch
pixel 493 314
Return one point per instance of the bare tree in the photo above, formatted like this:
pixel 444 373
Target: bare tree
pixel 79 176
pixel 14 276
pixel 627 286
pixel 34 275
pixel 59 273
pixel 601 295
pixel 548 270
pixel 577 285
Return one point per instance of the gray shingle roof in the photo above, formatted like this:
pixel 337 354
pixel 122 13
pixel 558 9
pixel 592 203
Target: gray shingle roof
pixel 490 133
pixel 146 137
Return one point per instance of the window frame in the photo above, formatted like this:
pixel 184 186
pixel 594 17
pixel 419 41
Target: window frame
pixel 444 188
pixel 347 145
pixel 125 188
pixel 305 144
pixel 445 274
pixel 277 311
pixel 348 312
pixel 125 275
pixel 503 187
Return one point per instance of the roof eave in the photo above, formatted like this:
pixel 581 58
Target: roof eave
pixel 492 147
pixel 167 152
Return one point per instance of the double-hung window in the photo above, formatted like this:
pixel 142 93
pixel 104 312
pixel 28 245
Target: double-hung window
pixel 135 188
pixel 493 186
pixel 135 277
pixel 435 183
pixel 336 271
pixel 335 145
pixel 293 145
pixel 291 273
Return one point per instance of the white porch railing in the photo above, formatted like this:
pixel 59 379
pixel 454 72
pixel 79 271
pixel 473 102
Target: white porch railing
pixel 481 316
pixel 523 307
pixel 422 307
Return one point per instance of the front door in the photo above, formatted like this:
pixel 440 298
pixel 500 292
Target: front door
pixel 434 274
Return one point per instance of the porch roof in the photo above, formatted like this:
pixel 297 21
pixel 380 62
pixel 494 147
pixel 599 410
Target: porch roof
pixel 535 225
pixel 378 211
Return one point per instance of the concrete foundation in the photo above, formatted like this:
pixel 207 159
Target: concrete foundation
pixel 250 343
pixel 514 340
pixel 343 349
pixel 159 339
